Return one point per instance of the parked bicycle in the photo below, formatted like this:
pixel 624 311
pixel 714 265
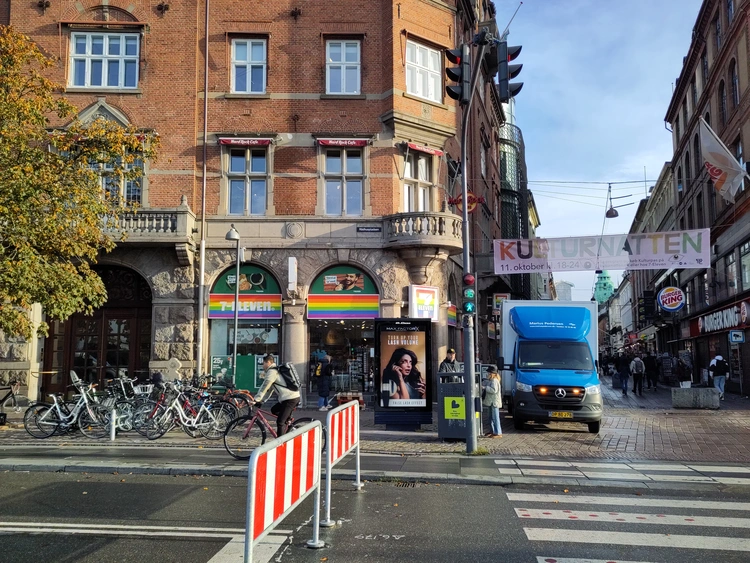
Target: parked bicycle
pixel 246 433
pixel 43 420
pixel 12 399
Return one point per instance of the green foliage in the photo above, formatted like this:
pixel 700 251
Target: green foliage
pixel 54 217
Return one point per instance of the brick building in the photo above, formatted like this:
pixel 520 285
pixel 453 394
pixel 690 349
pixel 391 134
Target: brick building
pixel 320 131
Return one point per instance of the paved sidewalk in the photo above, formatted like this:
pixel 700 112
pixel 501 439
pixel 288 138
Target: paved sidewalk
pixel 634 428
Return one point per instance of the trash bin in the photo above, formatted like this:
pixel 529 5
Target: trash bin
pixel 451 407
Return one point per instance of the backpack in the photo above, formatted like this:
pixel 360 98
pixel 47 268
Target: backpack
pixel 317 369
pixel 290 376
pixel 638 365
pixel 721 368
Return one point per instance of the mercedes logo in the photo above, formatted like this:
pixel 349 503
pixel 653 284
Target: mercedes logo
pixel 560 393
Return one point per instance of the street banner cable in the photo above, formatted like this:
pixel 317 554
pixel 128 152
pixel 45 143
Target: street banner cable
pixel 635 251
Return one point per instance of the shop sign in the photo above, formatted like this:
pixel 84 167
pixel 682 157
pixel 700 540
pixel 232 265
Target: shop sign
pixel 745 313
pixel 497 301
pixel 491 334
pixel 259 295
pixel 343 292
pixel 244 142
pixel 736 336
pixel 720 320
pixel 671 299
pixel 424 302
pixel 470 197
pixel 452 315
pixel 427 150
pixel 342 142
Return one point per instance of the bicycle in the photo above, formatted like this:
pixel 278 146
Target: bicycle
pixel 10 400
pixel 246 433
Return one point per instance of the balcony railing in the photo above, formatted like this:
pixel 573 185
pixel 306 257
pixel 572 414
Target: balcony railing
pixel 156 225
pixel 422 228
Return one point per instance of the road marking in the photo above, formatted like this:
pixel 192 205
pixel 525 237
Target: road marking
pixel 716 469
pixel 683 478
pixel 234 550
pixel 226 532
pixel 630 501
pixel 732 480
pixel 609 475
pixel 576 560
pixel 659 467
pixel 632 518
pixel 509 471
pixel 602 465
pixel 552 472
pixel 505 462
pixel 543 463
pixel 631 538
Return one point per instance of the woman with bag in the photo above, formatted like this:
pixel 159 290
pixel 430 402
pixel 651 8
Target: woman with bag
pixel 493 399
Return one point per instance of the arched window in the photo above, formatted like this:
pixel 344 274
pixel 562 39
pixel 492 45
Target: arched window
pixel 679 180
pixel 734 83
pixel 688 175
pixel 697 155
pixel 722 103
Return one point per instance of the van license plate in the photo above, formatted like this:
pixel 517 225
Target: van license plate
pixel 561 414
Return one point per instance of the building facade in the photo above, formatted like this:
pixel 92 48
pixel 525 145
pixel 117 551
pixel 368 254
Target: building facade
pixel 322 135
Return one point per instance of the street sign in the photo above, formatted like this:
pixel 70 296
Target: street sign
pixel 736 336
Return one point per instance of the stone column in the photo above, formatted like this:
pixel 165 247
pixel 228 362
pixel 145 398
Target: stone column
pixel 296 343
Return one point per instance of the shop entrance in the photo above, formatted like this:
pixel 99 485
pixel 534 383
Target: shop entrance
pixel 351 346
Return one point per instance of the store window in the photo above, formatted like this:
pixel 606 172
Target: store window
pixel 745 265
pixel 259 324
pixel 342 303
pixel 731 274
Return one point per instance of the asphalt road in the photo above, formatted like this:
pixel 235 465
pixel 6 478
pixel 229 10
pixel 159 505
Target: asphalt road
pixel 104 517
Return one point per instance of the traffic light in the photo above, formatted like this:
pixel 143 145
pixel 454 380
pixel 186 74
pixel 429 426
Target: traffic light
pixel 505 71
pixel 470 294
pixel 460 74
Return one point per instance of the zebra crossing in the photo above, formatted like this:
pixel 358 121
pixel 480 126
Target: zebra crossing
pixel 626 471
pixel 636 525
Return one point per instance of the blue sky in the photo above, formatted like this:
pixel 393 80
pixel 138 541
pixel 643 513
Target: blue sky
pixel 598 77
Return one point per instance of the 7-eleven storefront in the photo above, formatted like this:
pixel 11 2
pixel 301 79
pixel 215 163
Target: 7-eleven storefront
pixel 341 305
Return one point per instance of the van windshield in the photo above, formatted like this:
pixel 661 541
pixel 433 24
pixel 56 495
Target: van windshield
pixel 554 355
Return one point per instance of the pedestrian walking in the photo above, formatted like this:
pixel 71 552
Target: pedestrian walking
pixel 623 368
pixel 683 372
pixel 449 364
pixel 494 400
pixel 719 369
pixel 288 399
pixel 637 369
pixel 324 383
pixel 652 370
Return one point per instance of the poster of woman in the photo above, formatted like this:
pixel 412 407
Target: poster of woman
pixel 403 366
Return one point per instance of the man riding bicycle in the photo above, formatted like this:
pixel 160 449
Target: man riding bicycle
pixel 288 399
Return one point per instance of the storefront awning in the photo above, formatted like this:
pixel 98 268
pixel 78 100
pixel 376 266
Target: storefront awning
pixel 343 142
pixel 244 141
pixel 422 148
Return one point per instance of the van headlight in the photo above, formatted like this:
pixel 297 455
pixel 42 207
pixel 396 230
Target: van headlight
pixel 523 387
pixel 594 389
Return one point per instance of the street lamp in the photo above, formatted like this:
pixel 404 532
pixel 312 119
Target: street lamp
pixel 233 235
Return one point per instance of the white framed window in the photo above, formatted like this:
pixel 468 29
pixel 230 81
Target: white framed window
pixel 249 64
pixel 116 186
pixel 104 60
pixel 344 180
pixel 423 72
pixel 343 67
pixel 247 180
pixel 418 182
pixel 483 161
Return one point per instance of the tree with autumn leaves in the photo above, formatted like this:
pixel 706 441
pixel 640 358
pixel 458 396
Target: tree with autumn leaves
pixel 55 219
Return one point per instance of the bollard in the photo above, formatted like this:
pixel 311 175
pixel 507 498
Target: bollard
pixel 113 425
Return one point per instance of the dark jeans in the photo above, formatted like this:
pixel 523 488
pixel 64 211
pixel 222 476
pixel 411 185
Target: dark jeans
pixel 624 383
pixel 283 412
pixel 638 383
pixel 651 377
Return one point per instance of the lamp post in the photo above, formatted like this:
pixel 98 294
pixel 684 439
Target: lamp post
pixel 233 235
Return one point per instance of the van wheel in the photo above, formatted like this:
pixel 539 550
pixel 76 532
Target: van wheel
pixel 594 426
pixel 518 423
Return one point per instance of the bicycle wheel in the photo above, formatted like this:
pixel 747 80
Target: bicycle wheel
pixel 242 402
pixel 213 423
pixel 297 423
pixel 10 403
pixel 160 423
pixel 125 410
pixel 41 420
pixel 94 421
pixel 142 415
pixel 243 435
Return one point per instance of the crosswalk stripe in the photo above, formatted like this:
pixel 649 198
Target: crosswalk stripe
pixel 552 472
pixel 732 480
pixel 715 469
pixel 637 539
pixel 632 518
pixel 683 478
pixel 577 560
pixel 629 501
pixel 659 467
pixel 543 463
pixel 509 471
pixel 619 476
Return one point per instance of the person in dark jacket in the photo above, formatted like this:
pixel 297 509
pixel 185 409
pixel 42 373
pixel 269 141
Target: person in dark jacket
pixel 324 383
pixel 623 368
pixel 652 370
pixel 449 364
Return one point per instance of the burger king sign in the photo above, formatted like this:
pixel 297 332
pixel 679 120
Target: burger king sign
pixel 671 299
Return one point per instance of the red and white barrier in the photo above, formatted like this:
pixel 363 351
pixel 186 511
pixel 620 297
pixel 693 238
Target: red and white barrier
pixel 342 427
pixel 281 474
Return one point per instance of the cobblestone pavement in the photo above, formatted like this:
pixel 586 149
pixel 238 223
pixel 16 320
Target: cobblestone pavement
pixel 633 428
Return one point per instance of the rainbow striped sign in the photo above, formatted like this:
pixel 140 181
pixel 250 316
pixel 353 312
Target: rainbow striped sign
pixel 251 306
pixel 451 315
pixel 343 306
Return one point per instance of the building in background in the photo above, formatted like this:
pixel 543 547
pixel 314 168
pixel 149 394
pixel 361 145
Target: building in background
pixel 329 144
pixel 603 287
pixel 564 290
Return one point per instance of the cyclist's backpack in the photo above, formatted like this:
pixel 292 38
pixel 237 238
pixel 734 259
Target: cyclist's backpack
pixel 638 365
pixel 290 376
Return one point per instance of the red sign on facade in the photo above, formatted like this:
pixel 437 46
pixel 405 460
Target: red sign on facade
pixel 244 142
pixel 343 142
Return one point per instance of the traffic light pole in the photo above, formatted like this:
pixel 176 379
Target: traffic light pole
pixel 468 325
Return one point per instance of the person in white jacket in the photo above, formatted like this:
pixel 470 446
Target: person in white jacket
pixel 494 400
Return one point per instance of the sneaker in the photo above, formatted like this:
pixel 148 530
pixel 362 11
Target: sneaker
pixel 497 435
pixel 323 409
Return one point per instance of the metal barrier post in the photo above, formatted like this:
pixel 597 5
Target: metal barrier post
pixel 342 428
pixel 113 425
